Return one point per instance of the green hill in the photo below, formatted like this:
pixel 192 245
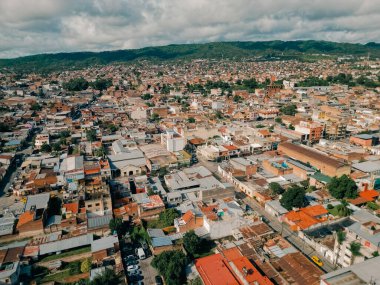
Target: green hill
pixel 217 50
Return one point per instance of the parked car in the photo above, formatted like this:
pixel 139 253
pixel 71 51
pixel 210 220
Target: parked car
pixel 317 260
pixel 132 268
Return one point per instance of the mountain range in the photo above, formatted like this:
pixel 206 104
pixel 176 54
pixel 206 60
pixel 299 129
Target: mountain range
pixel 266 50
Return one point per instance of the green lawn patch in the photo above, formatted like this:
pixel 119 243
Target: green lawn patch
pixel 333 211
pixel 66 254
pixel 59 276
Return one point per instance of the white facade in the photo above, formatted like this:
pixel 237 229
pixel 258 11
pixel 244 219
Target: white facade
pixel 173 141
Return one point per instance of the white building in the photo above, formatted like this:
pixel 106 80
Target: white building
pixel 173 141
pixel 41 139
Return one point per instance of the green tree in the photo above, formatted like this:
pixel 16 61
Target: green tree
pixel 116 225
pixel 56 146
pixel 294 196
pixel 291 127
pixel 278 120
pixel 101 84
pixel 341 236
pixel 167 217
pixel 138 234
pixel 343 210
pixel 46 147
pixel 146 96
pixel 237 99
pixel 276 188
pixel 171 265
pixel 77 84
pixel 36 107
pixel 342 187
pixel 192 242
pixel 191 120
pixel 100 152
pixel 355 248
pixel 155 117
pixel 289 110
pixel 85 266
pixel 91 135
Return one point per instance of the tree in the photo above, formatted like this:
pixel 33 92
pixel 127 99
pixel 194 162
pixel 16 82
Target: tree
pixel 57 146
pixel 100 152
pixel 278 120
pixel 101 84
pixel 276 188
pixel 291 127
pixel 167 217
pixel 341 236
pixel 146 96
pixel 46 147
pixel 35 107
pixel 192 242
pixel 342 187
pixel 237 99
pixel 155 117
pixel 343 210
pixel 116 225
pixel 355 248
pixel 289 110
pixel 171 265
pixel 138 234
pixel 85 265
pixel 91 135
pixel 293 197
pixel 191 120
pixel 77 84
pixel 109 277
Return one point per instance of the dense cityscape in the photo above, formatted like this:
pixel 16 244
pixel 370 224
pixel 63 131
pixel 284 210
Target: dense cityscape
pixel 192 172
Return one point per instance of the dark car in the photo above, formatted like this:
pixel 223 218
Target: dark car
pixel 158 280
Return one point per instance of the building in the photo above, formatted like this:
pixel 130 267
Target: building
pixel 217 269
pixel 326 164
pixel 312 131
pixel 366 272
pixel 40 140
pixel 173 141
pixel 364 231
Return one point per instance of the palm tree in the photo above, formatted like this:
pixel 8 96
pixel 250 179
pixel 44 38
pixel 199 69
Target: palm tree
pixel 343 210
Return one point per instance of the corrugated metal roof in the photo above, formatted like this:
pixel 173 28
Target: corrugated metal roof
pixel 65 244
pixel 104 243
pixel 99 221
pixel 161 241
pixel 40 201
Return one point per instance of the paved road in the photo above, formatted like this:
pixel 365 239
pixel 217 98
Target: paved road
pixel 148 271
pixel 291 236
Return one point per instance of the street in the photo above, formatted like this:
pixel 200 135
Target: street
pixel 289 235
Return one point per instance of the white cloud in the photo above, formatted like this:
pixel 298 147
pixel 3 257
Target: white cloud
pixel 40 26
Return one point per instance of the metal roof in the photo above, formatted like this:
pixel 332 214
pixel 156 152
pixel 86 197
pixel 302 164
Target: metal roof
pixel 104 243
pixel 40 201
pixel 161 241
pixel 66 244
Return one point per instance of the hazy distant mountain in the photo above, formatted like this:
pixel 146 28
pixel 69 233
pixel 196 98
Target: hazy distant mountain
pixel 232 50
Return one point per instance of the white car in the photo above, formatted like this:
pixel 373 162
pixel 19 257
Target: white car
pixel 132 268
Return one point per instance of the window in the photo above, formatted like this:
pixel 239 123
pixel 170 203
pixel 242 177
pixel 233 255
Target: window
pixel 89 206
pixel 97 204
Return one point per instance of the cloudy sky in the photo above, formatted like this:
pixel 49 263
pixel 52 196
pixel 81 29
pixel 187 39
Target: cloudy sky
pixel 41 26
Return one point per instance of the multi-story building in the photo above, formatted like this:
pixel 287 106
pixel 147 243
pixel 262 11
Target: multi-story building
pixel 40 140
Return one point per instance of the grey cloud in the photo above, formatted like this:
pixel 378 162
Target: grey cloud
pixel 29 27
